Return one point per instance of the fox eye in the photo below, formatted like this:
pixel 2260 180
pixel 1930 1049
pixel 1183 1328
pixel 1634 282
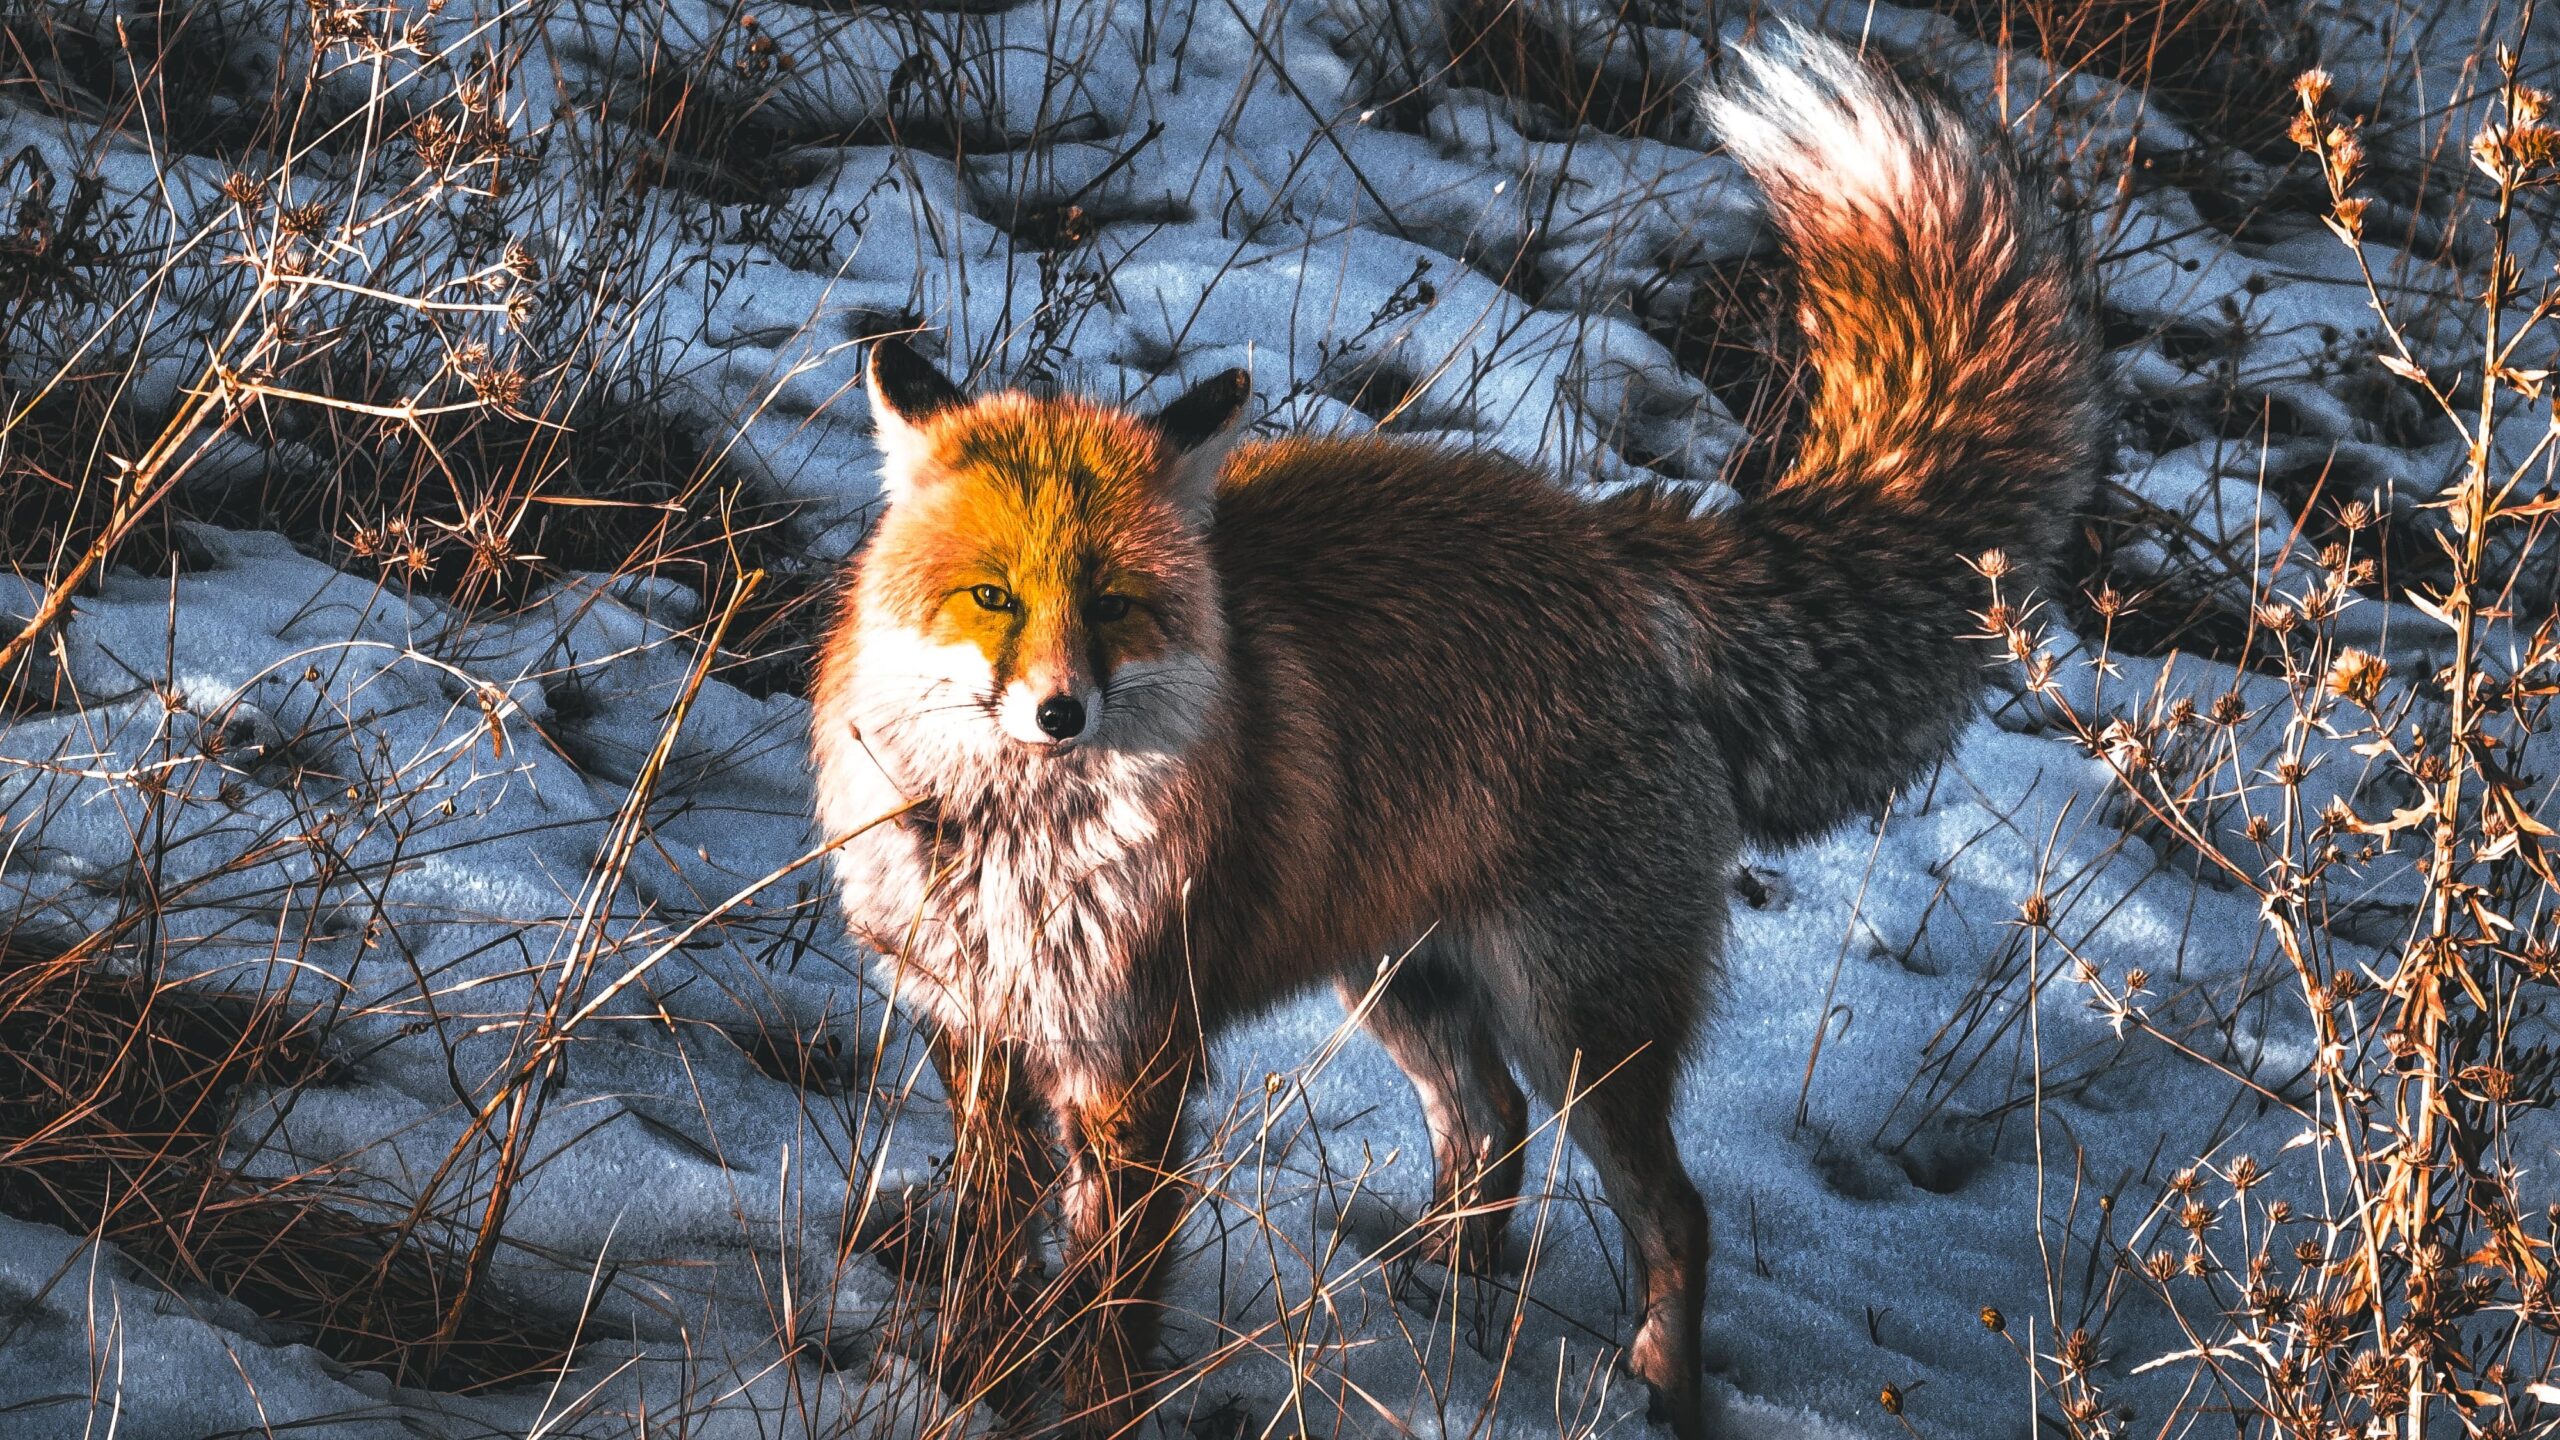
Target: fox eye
pixel 1110 608
pixel 991 597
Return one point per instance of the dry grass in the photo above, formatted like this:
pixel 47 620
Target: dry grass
pixel 2404 1288
pixel 2221 66
pixel 1608 80
pixel 118 1099
pixel 1738 333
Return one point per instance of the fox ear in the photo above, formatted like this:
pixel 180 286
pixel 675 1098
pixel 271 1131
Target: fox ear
pixel 906 393
pixel 1199 428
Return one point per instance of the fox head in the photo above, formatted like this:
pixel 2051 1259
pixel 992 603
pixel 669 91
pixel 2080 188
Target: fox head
pixel 1039 586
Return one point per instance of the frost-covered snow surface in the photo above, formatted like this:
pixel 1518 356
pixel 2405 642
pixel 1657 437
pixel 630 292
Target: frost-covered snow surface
pixel 397 812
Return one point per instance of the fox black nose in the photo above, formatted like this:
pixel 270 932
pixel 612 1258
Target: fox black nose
pixel 1061 717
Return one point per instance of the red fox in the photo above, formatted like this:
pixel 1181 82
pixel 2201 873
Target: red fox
pixel 1176 727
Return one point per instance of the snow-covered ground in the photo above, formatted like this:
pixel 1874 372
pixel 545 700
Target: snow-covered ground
pixel 397 813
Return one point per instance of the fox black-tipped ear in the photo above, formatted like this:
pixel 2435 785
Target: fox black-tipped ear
pixel 906 392
pixel 1204 411
pixel 1200 427
pixel 905 383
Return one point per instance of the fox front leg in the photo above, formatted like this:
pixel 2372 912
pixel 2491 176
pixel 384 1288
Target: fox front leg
pixel 1125 1199
pixel 1002 1166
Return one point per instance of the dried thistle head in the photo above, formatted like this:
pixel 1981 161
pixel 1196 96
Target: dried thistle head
pixel 335 24
pixel 2536 148
pixel 2263 1300
pixel 2344 155
pixel 2319 1326
pixel 303 222
pixel 247 191
pixel 2515 153
pixel 2228 708
pixel 503 387
pixel 2124 744
pixel 2312 88
pixel 435 139
pixel 2489 153
pixel 2369 1374
pixel 2275 617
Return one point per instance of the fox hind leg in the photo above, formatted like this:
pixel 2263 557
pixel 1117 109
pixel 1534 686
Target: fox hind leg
pixel 1432 1019
pixel 1600 1025
pixel 1625 1129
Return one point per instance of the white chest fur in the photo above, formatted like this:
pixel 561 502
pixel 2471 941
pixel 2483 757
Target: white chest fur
pixel 1018 908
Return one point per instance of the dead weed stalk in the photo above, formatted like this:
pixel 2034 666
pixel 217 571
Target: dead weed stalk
pixel 2391 1273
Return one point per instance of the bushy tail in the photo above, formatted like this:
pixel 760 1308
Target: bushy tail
pixel 1957 411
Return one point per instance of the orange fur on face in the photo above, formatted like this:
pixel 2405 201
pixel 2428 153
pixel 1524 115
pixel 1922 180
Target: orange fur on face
pixel 1042 535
